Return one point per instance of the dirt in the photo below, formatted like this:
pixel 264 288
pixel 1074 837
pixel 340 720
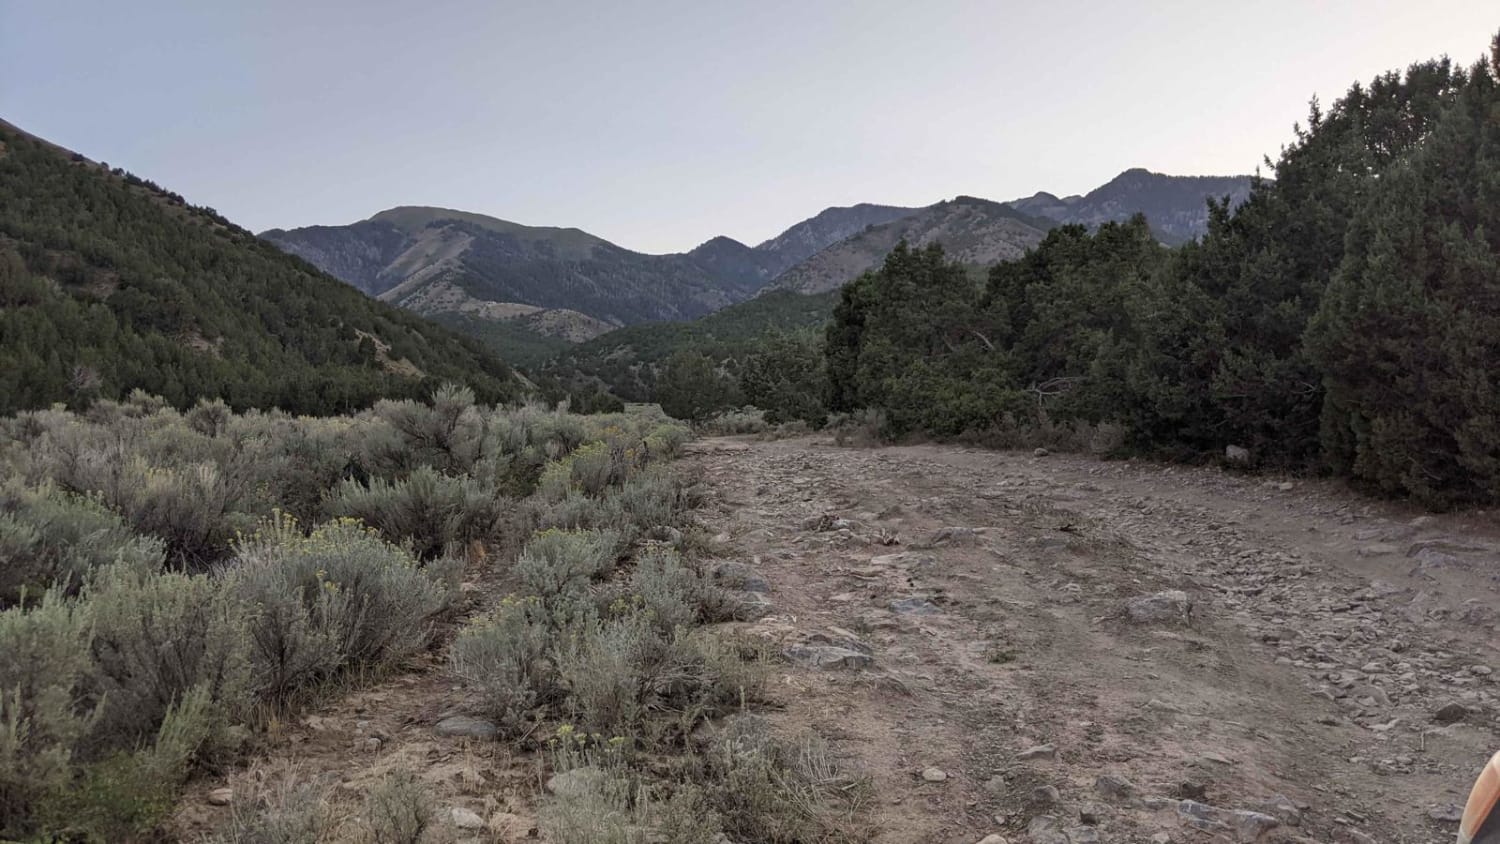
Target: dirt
pixel 1302 680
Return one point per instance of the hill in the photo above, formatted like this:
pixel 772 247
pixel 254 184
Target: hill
pixel 1176 206
pixel 972 231
pixel 109 283
pixel 627 361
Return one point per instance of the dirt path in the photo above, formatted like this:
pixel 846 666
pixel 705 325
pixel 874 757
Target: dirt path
pixel 1307 695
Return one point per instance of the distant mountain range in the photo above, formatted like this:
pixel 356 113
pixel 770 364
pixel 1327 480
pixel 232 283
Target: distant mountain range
pixel 499 280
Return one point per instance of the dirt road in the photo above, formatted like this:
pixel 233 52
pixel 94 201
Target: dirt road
pixel 1327 679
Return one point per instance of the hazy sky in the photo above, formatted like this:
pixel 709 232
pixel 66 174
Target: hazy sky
pixel 660 124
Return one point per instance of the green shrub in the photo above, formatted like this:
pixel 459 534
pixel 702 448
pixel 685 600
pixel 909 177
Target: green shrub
pixel 398 810
pixel 617 672
pixel 674 592
pixel 160 640
pixel 336 598
pixel 50 537
pixel 288 812
pixel 431 512
pixel 613 807
pixel 558 566
pixel 44 660
pixel 507 658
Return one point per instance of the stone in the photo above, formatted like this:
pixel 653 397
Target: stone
pixel 1082 835
pixel 1451 713
pixel 463 726
pixel 934 775
pixel 465 818
pixel 828 657
pixel 1046 794
pixel 1041 751
pixel 1161 838
pixel 733 575
pixel 1043 829
pixel 953 536
pixel 1237 454
pixel 914 606
pixel 1252 826
pixel 1113 787
pixel 1092 814
pixel 1171 606
pixel 1281 807
pixel 746 605
pixel 994 838
pixel 1040 452
pixel 221 797
pixel 1446 813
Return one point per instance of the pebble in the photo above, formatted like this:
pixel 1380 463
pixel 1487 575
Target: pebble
pixel 463 726
pixel 1446 813
pixel 1114 787
pixel 934 775
pixel 1451 713
pixel 1169 606
pixel 1047 794
pixel 1041 751
pixel 994 838
pixel 221 797
pixel 465 818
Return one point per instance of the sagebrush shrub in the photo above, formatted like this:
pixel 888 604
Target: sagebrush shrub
pixel 507 657
pixel 288 811
pixel 44 661
pixel 432 512
pixel 159 640
pixel 338 597
pixel 398 810
pixel 676 593
pixel 558 566
pixel 50 537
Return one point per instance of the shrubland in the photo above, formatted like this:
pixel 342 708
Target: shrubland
pixel 170 579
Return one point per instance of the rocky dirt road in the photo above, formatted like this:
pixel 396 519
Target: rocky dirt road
pixel 1058 649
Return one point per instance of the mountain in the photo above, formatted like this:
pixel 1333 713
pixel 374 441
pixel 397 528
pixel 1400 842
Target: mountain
pixel 438 261
pixel 1175 206
pixel 109 283
pixel 972 231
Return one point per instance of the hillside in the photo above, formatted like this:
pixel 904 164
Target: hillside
pixel 972 231
pixel 1176 206
pixel 109 283
pixel 626 361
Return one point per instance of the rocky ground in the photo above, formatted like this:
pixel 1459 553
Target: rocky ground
pixel 1020 647
pixel 1029 648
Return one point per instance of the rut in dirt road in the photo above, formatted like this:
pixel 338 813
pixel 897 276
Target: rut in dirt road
pixel 1058 649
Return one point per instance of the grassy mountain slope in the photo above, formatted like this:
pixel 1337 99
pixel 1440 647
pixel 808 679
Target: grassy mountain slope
pixel 973 231
pixel 109 283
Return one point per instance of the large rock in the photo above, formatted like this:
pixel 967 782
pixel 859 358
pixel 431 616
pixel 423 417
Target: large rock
pixel 1169 607
pixel 733 575
pixel 829 653
pixel 749 606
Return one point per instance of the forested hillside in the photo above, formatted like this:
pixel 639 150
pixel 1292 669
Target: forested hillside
pixel 1346 316
pixel 110 284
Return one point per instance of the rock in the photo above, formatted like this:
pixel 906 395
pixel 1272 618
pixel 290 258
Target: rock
pixel 934 775
pixel 1092 814
pixel 828 657
pixel 1451 713
pixel 1446 813
pixel 1041 751
pixel 1040 452
pixel 463 726
pixel 1171 606
pixel 575 783
pixel 914 606
pixel 1281 807
pixel 994 838
pixel 1161 838
pixel 953 536
pixel 1377 549
pixel 1237 454
pixel 221 797
pixel 1043 829
pixel 465 818
pixel 1252 826
pixel 1115 788
pixel 372 744
pixel 745 605
pixel 1083 835
pixel 733 575
pixel 1286 486
pixel 1046 794
pixel 1247 826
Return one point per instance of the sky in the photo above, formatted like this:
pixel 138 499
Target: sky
pixel 658 124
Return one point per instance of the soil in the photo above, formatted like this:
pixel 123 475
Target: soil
pixel 1324 674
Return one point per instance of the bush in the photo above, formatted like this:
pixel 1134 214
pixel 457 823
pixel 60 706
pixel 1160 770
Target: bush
pixel 160 640
pixel 506 657
pixel 337 598
pixel 288 812
pixel 50 537
pixel 432 513
pixel 615 808
pixel 43 665
pixel 674 593
pixel 398 810
pixel 558 567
